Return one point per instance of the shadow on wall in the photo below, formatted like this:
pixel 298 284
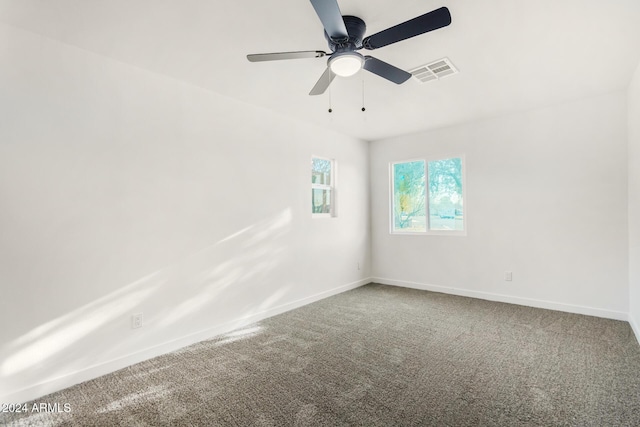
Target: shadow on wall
pixel 221 283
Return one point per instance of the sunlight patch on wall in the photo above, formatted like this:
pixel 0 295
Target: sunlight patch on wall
pixel 197 292
pixel 81 323
pixel 257 252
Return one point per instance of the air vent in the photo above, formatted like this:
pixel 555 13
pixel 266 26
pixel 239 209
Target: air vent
pixel 435 70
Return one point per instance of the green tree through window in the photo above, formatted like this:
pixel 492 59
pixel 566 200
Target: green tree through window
pixel 321 186
pixel 442 181
pixel 409 196
pixel 445 194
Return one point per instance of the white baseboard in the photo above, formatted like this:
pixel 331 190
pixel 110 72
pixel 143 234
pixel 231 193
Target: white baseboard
pixel 38 390
pixel 635 327
pixel 530 302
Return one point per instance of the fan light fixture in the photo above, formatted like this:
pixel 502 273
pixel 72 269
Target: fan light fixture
pixel 345 64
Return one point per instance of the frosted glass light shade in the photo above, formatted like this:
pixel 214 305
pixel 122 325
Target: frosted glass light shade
pixel 346 64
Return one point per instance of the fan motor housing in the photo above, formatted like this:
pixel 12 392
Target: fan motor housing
pixel 355 28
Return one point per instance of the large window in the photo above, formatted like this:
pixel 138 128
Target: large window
pixel 322 187
pixel 428 196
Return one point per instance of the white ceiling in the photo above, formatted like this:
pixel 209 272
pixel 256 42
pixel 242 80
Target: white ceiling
pixel 512 55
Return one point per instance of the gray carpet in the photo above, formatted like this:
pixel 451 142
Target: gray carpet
pixel 379 356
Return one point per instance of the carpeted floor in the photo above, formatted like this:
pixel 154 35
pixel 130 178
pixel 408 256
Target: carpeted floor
pixel 379 356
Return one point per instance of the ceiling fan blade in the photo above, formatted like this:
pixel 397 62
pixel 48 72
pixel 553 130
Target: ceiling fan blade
pixel 331 18
pixel 414 27
pixel 384 70
pixel 259 57
pixel 323 83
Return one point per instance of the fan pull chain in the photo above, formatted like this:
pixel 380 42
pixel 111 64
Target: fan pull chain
pixel 330 109
pixel 363 109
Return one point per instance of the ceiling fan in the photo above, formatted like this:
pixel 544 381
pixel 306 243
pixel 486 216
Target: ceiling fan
pixel 345 37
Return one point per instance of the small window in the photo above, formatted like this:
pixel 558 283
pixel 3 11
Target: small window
pixel 428 196
pixel 322 187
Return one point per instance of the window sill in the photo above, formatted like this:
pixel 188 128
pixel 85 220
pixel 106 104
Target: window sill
pixel 430 233
pixel 321 216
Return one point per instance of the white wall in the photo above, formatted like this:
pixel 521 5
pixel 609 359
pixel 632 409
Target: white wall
pixel 122 191
pixel 546 199
pixel 634 202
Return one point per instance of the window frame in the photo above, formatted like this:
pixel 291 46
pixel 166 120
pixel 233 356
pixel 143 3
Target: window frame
pixel 331 187
pixel 428 231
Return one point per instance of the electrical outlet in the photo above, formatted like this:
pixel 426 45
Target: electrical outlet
pixel 508 276
pixel 137 321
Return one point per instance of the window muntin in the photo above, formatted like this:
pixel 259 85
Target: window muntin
pixel 322 183
pixel 435 187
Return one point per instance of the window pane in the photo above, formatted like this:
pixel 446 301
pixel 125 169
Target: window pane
pixel 409 197
pixel 445 195
pixel 320 171
pixel 321 200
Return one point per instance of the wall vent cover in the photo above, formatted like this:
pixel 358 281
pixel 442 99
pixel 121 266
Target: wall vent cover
pixel 434 70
